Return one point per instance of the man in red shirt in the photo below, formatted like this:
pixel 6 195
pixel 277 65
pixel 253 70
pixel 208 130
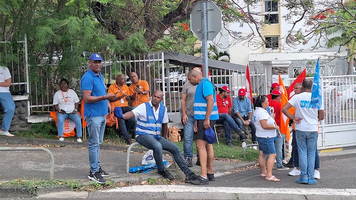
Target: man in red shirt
pixel 275 103
pixel 275 86
pixel 223 101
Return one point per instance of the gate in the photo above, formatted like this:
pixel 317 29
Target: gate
pixel 338 129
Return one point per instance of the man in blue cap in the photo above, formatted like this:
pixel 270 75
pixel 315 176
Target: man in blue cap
pixel 96 107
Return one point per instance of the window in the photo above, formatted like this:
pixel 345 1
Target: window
pixel 271 6
pixel 271 12
pixel 271 19
pixel 272 42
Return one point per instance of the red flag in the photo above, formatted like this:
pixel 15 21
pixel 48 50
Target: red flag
pixel 248 85
pixel 284 119
pixel 298 80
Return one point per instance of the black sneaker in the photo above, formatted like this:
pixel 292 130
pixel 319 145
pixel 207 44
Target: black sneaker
pixel 211 177
pixel 229 144
pixel 128 141
pixel 97 177
pixel 103 173
pixel 191 176
pixel 289 164
pixel 166 174
pixel 200 181
pixel 198 162
pixel 188 161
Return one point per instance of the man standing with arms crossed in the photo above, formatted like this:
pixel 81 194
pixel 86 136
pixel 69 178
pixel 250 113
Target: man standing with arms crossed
pixel 95 109
pixel 306 119
pixel 206 114
pixel 188 93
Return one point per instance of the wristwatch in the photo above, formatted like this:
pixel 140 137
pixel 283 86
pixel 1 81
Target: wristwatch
pixel 75 110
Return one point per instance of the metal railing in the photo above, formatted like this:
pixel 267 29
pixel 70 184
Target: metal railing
pixel 51 170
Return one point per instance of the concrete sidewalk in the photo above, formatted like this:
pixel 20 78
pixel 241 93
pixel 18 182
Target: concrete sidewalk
pixel 71 162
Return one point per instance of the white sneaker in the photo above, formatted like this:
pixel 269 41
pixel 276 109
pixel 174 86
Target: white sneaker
pixel 79 140
pixel 294 172
pixel 243 144
pixel 6 133
pixel 316 174
pixel 255 148
pixel 61 139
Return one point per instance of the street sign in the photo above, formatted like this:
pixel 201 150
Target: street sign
pixel 213 20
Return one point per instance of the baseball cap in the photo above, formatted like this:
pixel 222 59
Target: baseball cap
pixel 276 92
pixel 275 85
pixel 242 92
pixel 95 56
pixel 210 137
pixel 226 89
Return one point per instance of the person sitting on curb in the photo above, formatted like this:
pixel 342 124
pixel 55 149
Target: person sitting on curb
pixel 223 102
pixel 151 119
pixel 66 103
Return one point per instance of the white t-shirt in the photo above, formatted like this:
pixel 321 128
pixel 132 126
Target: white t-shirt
pixel 301 103
pixel 65 100
pixel 140 112
pixel 262 114
pixel 4 74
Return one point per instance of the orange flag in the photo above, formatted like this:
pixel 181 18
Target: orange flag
pixel 284 119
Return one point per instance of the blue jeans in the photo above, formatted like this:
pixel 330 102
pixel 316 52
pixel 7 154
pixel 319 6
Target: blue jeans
pixel 295 154
pixel 160 144
pixel 96 128
pixel 241 125
pixel 307 146
pixel 228 123
pixel 188 137
pixel 279 146
pixel 74 117
pixel 8 106
pixel 125 126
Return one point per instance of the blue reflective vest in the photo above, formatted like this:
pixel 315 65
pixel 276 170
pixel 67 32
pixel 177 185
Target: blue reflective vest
pixel 200 102
pixel 152 126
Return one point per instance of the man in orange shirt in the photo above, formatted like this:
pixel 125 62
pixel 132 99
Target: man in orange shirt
pixel 121 92
pixel 139 90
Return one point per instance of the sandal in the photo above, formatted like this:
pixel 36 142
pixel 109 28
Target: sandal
pixel 263 175
pixel 274 179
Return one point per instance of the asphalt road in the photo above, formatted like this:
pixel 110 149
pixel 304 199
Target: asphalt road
pixel 337 172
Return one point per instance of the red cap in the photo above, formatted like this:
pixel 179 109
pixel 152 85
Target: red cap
pixel 242 92
pixel 276 92
pixel 275 85
pixel 226 89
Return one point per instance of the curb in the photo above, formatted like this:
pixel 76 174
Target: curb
pixel 35 141
pixel 25 192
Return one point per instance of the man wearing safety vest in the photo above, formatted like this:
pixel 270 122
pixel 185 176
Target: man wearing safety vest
pixel 205 113
pixel 151 119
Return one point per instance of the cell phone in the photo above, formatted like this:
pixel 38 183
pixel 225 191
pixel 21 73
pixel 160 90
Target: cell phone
pixel 137 86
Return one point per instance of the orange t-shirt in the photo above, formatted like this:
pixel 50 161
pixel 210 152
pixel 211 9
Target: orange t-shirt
pixel 140 98
pixel 114 89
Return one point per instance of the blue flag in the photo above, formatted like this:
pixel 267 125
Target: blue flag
pixel 316 99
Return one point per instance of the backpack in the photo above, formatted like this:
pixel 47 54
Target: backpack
pixel 111 120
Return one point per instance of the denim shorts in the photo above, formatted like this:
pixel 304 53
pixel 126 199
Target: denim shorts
pixel 266 145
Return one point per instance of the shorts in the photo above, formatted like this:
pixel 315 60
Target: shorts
pixel 266 145
pixel 201 129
